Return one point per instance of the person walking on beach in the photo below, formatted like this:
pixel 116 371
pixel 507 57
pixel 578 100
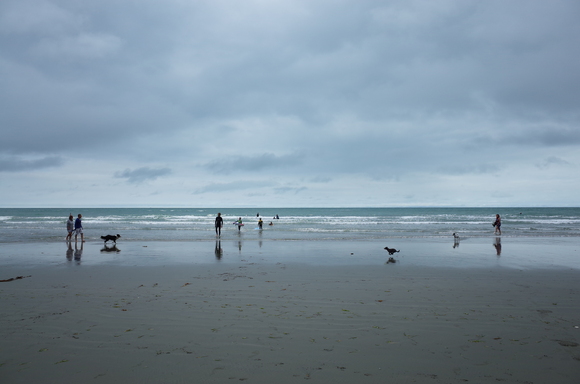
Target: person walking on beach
pixel 79 228
pixel 239 223
pixel 219 222
pixel 497 225
pixel 70 225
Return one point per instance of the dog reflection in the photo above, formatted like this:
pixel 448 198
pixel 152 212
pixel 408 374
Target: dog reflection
pixel 110 249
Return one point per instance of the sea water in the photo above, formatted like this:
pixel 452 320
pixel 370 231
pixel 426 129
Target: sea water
pixel 197 224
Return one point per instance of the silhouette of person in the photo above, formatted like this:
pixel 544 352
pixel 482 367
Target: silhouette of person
pixel 79 228
pixel 219 222
pixel 497 225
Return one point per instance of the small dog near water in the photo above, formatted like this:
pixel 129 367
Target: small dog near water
pixel 391 250
pixel 111 238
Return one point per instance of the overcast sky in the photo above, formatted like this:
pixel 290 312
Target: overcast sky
pixel 289 103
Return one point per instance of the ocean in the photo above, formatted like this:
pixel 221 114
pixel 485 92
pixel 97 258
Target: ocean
pixel 313 224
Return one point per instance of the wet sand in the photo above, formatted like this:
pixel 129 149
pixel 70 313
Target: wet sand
pixel 285 312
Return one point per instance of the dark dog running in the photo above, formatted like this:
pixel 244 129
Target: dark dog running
pixel 391 250
pixel 111 238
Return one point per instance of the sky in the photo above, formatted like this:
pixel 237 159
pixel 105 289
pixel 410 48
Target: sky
pixel 289 103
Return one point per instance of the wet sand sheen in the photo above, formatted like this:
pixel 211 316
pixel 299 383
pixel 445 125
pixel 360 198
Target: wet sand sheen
pixel 288 321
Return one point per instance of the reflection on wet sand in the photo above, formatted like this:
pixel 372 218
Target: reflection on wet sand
pixel 218 250
pixel 69 251
pixel 497 245
pixel 78 252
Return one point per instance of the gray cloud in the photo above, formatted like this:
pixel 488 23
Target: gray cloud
pixel 552 161
pixel 320 179
pixel 421 93
pixel 549 136
pixel 15 164
pixel 252 163
pixel 233 186
pixel 462 169
pixel 292 190
pixel 140 175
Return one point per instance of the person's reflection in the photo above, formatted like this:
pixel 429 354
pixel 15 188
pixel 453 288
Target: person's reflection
pixel 78 253
pixel 455 240
pixel 497 245
pixel 240 245
pixel 218 250
pixel 69 251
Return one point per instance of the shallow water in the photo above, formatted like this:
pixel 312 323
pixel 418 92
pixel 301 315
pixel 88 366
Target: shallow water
pixel 314 224
pixel 522 253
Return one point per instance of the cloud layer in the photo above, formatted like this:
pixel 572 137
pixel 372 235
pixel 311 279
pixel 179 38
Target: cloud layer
pixel 311 103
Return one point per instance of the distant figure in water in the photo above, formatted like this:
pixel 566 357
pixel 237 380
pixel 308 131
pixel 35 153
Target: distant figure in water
pixel 271 223
pixel 239 222
pixel 260 223
pixel 497 225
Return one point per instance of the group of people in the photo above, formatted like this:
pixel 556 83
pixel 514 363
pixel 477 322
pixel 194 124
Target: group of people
pixel 219 223
pixel 76 227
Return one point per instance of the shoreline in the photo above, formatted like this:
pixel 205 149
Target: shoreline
pixel 519 253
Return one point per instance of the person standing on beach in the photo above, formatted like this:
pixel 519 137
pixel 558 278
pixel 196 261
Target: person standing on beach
pixel 79 228
pixel 70 225
pixel 219 222
pixel 497 225
pixel 239 222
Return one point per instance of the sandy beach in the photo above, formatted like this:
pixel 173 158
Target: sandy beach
pixel 330 312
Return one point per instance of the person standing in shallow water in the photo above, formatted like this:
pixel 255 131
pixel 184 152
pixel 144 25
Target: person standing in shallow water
pixel 497 225
pixel 219 222
pixel 70 226
pixel 239 222
pixel 79 228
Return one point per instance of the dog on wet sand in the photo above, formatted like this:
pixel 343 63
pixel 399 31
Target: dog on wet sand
pixel 111 238
pixel 391 250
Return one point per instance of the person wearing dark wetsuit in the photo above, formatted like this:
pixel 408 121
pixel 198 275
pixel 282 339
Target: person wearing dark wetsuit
pixel 219 222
